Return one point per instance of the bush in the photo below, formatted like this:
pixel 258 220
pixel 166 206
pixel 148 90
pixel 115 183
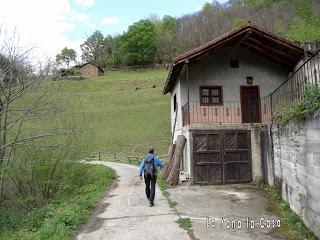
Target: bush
pixel 301 108
pixel 58 219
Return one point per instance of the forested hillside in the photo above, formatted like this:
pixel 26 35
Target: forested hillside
pixel 158 40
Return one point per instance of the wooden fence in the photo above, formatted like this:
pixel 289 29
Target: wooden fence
pixel 117 157
pixel 140 67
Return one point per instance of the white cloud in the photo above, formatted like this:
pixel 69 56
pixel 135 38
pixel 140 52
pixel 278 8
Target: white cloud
pixel 110 20
pixel 91 25
pixel 79 16
pixel 42 24
pixel 85 3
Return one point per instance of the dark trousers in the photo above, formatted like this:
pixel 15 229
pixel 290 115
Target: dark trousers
pixel 150 186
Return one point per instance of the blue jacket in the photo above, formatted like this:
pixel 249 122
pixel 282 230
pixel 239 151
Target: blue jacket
pixel 157 163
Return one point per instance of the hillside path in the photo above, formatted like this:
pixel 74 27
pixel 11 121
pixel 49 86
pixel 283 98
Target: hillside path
pixel 123 213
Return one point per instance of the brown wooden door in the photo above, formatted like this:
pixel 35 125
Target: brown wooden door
pixel 207 158
pixel 237 156
pixel 250 105
pixel 222 157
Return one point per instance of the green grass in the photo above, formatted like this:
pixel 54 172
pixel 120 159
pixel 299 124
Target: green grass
pixel 71 207
pixel 185 223
pixel 117 117
pixel 292 226
pixel 163 187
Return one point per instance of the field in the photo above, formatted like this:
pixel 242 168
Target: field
pixel 121 112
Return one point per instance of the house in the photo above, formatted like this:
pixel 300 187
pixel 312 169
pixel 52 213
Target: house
pixel 220 98
pixel 90 69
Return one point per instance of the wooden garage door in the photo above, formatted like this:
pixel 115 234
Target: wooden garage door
pixel 208 159
pixel 222 157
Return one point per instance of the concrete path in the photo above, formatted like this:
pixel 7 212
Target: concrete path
pixel 124 212
pixel 230 212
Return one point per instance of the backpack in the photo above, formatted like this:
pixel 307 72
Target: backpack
pixel 149 168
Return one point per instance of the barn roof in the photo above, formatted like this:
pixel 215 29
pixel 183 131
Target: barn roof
pixel 80 66
pixel 264 43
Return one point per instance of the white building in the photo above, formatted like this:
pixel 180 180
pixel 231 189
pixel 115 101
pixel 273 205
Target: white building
pixel 220 99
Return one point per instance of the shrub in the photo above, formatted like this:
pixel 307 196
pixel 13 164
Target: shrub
pixel 301 108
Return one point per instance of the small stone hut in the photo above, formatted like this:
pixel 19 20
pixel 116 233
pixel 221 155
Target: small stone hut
pixel 90 69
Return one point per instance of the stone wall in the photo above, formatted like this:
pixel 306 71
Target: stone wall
pixel 296 167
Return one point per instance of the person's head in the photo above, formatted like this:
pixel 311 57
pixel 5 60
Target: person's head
pixel 151 150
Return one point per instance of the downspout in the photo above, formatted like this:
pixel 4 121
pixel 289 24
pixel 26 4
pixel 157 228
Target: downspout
pixel 272 145
pixel 188 91
pixel 188 99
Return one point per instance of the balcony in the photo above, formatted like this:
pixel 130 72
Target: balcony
pixel 231 112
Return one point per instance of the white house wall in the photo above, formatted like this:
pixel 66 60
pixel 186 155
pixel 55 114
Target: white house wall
pixel 215 70
pixel 176 123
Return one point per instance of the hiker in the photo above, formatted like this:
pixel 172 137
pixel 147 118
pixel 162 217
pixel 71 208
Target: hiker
pixel 149 165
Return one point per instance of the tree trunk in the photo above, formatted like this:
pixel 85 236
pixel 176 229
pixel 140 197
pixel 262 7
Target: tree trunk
pixel 166 169
pixel 173 178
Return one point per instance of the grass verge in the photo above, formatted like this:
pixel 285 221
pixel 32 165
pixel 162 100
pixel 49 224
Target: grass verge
pixel 163 187
pixel 72 206
pixel 185 223
pixel 292 226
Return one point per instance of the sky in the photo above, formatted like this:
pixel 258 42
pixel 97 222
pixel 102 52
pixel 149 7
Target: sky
pixel 50 25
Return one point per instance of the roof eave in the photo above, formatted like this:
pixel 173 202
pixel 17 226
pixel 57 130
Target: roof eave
pixel 220 40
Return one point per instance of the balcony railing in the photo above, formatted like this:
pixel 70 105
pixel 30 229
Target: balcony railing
pixel 294 89
pixel 229 112
pixel 297 85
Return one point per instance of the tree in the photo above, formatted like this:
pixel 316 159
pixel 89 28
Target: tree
pixel 112 47
pixel 66 56
pixel 166 39
pixel 208 8
pixel 33 159
pixel 139 43
pixel 93 49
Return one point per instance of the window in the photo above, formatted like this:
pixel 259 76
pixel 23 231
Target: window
pixel 211 95
pixel 234 63
pixel 174 102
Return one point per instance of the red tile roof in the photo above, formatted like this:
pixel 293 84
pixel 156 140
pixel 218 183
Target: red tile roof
pixel 291 52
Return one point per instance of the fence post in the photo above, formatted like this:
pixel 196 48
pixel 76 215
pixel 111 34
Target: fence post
pixel 271 108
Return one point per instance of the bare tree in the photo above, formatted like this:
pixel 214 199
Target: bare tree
pixel 21 148
pixel 214 19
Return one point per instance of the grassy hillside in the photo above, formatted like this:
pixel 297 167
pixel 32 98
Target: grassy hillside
pixel 122 112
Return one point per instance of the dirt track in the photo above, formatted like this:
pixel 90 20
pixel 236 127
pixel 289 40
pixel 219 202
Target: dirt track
pixel 124 213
